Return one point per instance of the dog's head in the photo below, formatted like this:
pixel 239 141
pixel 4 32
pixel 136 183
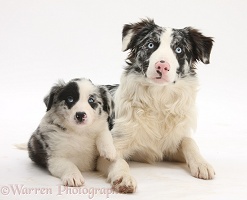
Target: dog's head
pixel 79 102
pixel 164 55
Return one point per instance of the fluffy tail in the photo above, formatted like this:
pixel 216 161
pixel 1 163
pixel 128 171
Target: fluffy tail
pixel 22 146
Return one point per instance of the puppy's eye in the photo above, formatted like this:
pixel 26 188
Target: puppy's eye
pixel 91 100
pixel 150 45
pixel 70 99
pixel 178 50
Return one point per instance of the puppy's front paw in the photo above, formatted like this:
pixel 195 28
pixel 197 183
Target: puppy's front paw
pixel 124 184
pixel 108 152
pixel 202 170
pixel 73 180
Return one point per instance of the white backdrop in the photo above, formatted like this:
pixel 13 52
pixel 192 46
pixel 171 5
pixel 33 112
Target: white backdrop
pixel 43 41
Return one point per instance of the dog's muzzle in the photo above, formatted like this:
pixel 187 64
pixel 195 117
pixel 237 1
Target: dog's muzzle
pixel 80 117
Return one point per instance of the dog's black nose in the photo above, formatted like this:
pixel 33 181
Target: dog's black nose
pixel 80 116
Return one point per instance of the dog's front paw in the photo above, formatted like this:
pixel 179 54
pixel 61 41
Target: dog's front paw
pixel 73 180
pixel 202 170
pixel 108 152
pixel 124 184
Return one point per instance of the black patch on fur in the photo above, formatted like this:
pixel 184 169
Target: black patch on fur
pixel 103 94
pixel 110 121
pixel 108 103
pixel 50 99
pixel 69 92
pixel 145 32
pixel 180 40
pixel 37 149
pixel 93 103
pixel 201 45
pixel 195 47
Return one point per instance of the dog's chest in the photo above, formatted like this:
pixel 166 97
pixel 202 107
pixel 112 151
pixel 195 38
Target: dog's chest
pixel 160 125
pixel 80 149
pixel 163 118
pixel 156 118
pixel 158 135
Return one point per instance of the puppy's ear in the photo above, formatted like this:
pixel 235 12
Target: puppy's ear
pixel 201 45
pixel 131 30
pixel 108 103
pixel 55 90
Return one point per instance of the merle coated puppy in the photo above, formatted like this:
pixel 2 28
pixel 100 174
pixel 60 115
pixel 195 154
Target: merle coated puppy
pixel 74 130
pixel 155 104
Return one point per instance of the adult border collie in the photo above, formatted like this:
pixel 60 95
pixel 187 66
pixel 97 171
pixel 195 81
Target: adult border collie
pixel 74 130
pixel 155 103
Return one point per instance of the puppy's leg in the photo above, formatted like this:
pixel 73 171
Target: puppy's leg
pixel 118 174
pixel 118 171
pixel 66 170
pixel 198 165
pixel 104 143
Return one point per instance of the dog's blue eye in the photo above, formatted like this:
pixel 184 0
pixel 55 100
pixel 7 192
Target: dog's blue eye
pixel 178 50
pixel 70 99
pixel 150 45
pixel 91 100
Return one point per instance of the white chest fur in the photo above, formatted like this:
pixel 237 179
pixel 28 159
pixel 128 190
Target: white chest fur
pixel 78 148
pixel 161 115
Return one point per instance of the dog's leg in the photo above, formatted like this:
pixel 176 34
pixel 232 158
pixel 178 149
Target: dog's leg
pixel 104 143
pixel 66 170
pixel 198 165
pixel 118 174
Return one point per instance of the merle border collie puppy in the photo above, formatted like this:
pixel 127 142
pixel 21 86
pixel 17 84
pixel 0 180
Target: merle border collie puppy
pixel 74 130
pixel 155 103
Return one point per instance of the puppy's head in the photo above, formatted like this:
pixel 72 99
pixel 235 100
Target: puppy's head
pixel 78 103
pixel 164 55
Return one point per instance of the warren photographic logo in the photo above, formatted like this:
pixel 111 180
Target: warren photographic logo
pixel 22 190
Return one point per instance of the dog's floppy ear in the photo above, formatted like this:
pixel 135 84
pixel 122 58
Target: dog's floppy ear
pixel 108 103
pixel 201 45
pixel 131 30
pixel 55 90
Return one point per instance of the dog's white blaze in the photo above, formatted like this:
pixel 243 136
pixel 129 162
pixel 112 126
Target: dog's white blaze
pixel 82 105
pixel 164 52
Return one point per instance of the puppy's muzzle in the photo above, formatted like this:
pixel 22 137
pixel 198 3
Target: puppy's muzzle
pixel 80 117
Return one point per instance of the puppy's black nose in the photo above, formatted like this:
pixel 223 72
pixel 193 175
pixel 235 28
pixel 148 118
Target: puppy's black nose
pixel 80 116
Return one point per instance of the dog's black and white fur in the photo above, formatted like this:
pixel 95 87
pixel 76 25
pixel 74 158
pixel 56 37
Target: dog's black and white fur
pixel 155 103
pixel 74 130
